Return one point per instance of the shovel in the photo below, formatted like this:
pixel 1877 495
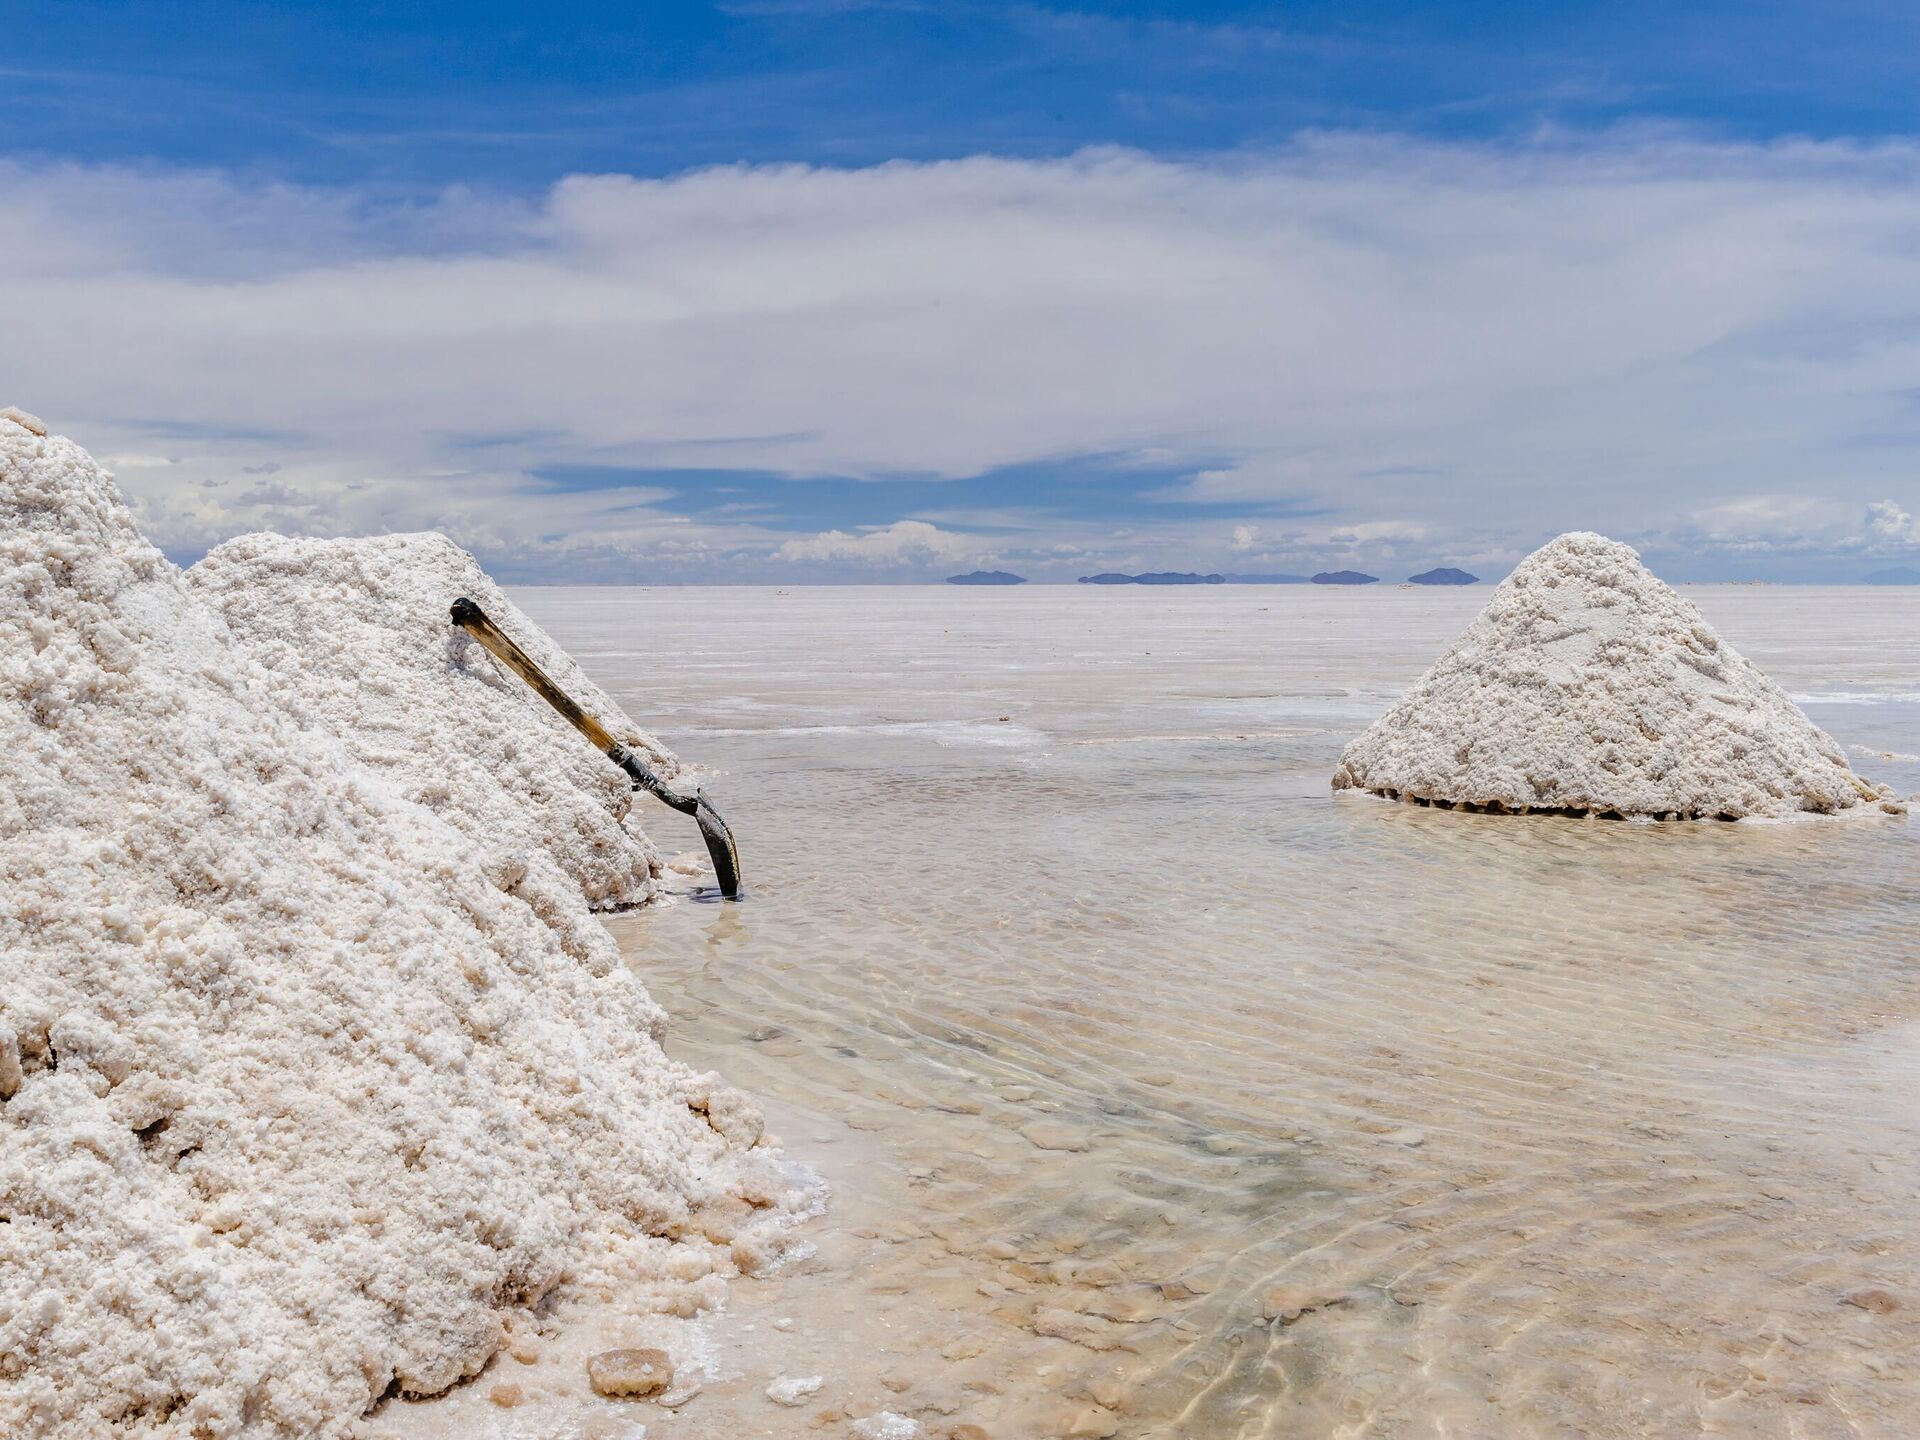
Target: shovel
pixel 726 856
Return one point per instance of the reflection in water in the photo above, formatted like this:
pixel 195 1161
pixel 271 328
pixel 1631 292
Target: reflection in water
pixel 1165 1094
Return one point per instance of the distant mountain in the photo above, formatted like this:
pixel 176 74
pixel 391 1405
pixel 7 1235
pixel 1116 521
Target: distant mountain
pixel 1898 575
pixel 1267 580
pixel 1344 577
pixel 1445 575
pixel 1168 577
pixel 986 577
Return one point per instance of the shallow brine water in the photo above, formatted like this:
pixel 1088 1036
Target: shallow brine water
pixel 1165 1093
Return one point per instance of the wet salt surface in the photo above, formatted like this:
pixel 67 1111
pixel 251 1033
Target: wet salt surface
pixel 1165 1094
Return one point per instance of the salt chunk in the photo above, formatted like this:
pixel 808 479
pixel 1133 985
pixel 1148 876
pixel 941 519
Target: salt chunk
pixel 790 1390
pixel 632 1373
pixel 888 1426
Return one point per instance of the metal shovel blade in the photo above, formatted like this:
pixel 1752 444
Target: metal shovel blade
pixel 726 855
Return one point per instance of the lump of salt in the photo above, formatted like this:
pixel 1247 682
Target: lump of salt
pixel 630 1373
pixel 886 1425
pixel 794 1391
pixel 298 1102
pixel 359 630
pixel 1589 685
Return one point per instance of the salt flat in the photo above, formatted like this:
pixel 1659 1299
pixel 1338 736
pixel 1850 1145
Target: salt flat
pixel 1166 1093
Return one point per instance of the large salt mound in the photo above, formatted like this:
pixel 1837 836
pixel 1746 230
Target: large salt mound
pixel 358 629
pixel 299 1093
pixel 1589 685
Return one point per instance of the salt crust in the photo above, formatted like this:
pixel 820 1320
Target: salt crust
pixel 304 1088
pixel 358 629
pixel 888 1426
pixel 1588 685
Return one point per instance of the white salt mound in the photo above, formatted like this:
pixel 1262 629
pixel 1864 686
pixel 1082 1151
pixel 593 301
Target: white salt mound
pixel 358 629
pixel 1589 685
pixel 300 1095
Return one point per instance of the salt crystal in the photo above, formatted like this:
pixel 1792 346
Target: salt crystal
pixel 790 1390
pixel 630 1372
pixel 888 1426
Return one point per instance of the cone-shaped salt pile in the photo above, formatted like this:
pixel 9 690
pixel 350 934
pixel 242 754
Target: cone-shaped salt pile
pixel 359 629
pixel 1588 685
pixel 301 1089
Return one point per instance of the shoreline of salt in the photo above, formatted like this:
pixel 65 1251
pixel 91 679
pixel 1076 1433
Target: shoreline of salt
pixel 1870 814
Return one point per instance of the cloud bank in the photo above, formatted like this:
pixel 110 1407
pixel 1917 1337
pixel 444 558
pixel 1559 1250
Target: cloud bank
pixel 905 542
pixel 1444 353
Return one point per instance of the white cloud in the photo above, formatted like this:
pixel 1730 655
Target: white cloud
pixel 1245 537
pixel 1375 531
pixel 905 542
pixel 1487 342
pixel 136 462
pixel 1765 514
pixel 1888 521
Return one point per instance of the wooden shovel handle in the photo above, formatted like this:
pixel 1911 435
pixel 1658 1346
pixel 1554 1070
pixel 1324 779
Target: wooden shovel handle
pixel 472 619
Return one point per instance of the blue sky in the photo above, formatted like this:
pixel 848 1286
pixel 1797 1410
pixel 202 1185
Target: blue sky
pixel 820 289
pixel 430 94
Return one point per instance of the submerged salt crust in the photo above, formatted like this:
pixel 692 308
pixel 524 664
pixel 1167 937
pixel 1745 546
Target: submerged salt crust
pixel 304 1087
pixel 358 630
pixel 1577 1136
pixel 1589 685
